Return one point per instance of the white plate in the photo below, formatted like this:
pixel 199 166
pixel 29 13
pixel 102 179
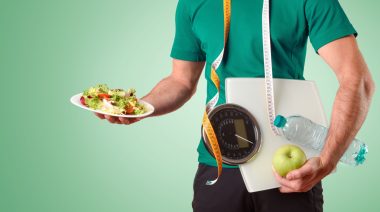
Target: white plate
pixel 76 101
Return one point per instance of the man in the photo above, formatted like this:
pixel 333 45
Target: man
pixel 199 40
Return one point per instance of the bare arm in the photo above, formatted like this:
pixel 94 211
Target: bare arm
pixel 352 100
pixel 350 108
pixel 176 89
pixel 171 92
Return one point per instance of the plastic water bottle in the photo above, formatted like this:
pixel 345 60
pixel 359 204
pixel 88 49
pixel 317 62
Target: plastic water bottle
pixel 302 131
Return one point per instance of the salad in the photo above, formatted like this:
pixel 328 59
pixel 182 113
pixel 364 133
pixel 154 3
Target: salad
pixel 113 101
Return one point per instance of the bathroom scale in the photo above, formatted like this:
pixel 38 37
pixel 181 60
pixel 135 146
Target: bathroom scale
pixel 291 97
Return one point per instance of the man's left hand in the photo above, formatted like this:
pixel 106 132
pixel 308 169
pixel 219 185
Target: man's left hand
pixel 304 178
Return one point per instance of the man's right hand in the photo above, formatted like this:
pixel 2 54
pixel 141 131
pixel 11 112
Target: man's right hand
pixel 118 120
pixel 170 93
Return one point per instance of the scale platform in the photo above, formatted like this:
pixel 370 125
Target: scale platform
pixel 292 97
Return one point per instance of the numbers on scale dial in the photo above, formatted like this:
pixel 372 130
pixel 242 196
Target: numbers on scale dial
pixel 226 133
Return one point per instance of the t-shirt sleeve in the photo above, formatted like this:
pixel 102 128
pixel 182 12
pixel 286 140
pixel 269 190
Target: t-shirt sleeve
pixel 186 46
pixel 326 22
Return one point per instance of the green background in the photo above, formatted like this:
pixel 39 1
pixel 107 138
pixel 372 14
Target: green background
pixel 56 157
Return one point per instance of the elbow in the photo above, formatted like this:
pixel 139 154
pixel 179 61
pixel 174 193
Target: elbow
pixel 193 91
pixel 361 82
pixel 190 90
pixel 369 86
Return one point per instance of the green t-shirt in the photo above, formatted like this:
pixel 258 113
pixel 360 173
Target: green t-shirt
pixel 199 37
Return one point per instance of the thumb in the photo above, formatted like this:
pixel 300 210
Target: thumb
pixel 305 170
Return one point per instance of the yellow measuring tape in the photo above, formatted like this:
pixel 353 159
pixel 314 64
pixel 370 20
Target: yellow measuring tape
pixel 207 127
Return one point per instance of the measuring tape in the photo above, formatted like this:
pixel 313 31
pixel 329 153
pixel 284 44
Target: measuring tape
pixel 268 67
pixel 207 127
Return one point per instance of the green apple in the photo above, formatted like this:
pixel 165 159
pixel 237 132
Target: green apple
pixel 288 158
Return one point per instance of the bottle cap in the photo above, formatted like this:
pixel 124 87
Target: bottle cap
pixel 280 121
pixel 360 157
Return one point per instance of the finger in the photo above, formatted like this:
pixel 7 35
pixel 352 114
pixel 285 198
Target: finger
pixel 304 187
pixel 124 120
pixel 295 186
pixel 129 120
pixel 111 119
pixel 101 116
pixel 307 188
pixel 133 120
pixel 283 181
pixel 305 170
pixel 298 185
pixel 284 189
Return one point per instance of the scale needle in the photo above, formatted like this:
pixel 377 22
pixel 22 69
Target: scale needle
pixel 243 138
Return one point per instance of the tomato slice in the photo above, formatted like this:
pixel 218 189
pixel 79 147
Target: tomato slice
pixel 82 101
pixel 129 109
pixel 103 96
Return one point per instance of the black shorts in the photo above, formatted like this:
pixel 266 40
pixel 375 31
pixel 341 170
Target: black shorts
pixel 229 194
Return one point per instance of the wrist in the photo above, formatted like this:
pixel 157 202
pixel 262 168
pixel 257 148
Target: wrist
pixel 328 164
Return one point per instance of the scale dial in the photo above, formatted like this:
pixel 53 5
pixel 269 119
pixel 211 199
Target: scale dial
pixel 237 132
